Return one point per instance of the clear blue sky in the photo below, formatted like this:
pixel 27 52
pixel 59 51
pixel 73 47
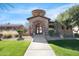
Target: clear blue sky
pixel 20 12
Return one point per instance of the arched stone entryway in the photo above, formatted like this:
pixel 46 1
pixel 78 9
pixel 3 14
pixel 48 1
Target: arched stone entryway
pixel 39 27
pixel 38 23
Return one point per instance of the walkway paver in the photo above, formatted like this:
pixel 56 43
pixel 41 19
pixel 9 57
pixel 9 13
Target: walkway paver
pixel 39 47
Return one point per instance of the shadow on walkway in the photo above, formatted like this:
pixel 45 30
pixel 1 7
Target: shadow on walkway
pixel 39 39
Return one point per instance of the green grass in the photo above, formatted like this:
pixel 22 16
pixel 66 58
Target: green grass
pixel 13 47
pixel 65 47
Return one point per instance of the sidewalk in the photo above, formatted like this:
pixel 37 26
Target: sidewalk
pixel 39 47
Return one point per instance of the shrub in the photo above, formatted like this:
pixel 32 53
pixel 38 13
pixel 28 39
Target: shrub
pixel 1 35
pixel 7 36
pixel 16 35
pixel 26 34
pixel 76 35
pixel 51 32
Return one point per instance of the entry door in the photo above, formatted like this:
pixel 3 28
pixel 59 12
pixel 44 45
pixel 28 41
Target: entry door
pixel 39 30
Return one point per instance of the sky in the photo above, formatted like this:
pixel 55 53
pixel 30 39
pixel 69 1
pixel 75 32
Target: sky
pixel 19 12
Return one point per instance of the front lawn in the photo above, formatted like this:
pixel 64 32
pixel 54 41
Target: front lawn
pixel 13 47
pixel 65 47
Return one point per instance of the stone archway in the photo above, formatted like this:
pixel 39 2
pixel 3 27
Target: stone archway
pixel 39 27
pixel 38 22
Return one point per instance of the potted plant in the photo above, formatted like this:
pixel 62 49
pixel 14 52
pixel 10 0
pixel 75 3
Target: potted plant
pixel 20 32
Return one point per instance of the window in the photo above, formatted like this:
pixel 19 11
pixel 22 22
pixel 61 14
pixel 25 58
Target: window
pixel 62 27
pixel 67 28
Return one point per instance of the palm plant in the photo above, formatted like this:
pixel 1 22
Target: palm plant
pixel 4 6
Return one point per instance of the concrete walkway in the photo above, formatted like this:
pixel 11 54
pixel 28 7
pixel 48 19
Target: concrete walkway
pixel 39 47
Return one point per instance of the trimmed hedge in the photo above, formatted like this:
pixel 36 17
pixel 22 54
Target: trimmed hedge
pixel 51 32
pixel 76 35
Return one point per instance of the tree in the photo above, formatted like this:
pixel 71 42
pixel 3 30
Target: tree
pixel 70 17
